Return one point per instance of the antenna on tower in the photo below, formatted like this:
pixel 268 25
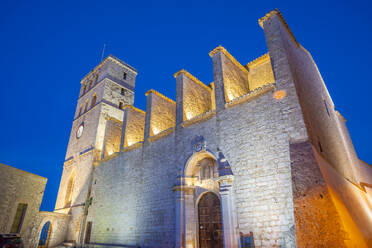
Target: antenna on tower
pixel 103 51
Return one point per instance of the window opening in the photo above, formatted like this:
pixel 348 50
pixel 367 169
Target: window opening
pixel 18 218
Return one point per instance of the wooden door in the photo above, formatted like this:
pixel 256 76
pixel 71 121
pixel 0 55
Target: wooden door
pixel 210 222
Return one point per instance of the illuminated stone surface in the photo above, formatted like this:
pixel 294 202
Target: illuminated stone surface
pixel 295 179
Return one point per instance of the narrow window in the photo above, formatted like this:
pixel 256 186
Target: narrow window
pixel 96 79
pixel 86 106
pixel 88 232
pixel 18 218
pixel 122 91
pixel 120 105
pixel 326 107
pixel 90 84
pixel 125 76
pixel 69 189
pixel 81 109
pixel 85 87
pixel 320 146
pixel 94 100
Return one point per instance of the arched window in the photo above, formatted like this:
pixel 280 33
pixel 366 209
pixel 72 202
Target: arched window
pixel 94 100
pixel 120 105
pixel 45 235
pixel 69 189
pixel 122 91
pixel 90 83
pixel 84 89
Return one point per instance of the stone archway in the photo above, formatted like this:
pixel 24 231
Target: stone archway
pixel 45 235
pixel 210 221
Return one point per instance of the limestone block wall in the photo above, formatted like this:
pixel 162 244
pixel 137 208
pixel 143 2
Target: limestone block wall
pixel 114 95
pixel 317 222
pixel 133 126
pixel 319 113
pixel 193 97
pixel 260 72
pixel 229 74
pixel 88 137
pixel 351 203
pixel 254 137
pixel 112 136
pixel 59 224
pixel 160 113
pixel 18 186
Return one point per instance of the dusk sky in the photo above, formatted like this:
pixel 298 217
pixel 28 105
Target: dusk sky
pixel 48 46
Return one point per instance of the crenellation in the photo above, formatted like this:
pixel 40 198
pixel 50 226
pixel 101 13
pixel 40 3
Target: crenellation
pixel 193 97
pixel 260 153
pixel 160 113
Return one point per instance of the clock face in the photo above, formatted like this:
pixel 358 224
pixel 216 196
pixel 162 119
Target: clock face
pixel 80 130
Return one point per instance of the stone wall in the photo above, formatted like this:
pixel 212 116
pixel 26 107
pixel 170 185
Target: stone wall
pixel 233 75
pixel 112 136
pixel 260 72
pixel 193 97
pixel 133 126
pixel 59 224
pixel 18 186
pixel 317 220
pixel 160 113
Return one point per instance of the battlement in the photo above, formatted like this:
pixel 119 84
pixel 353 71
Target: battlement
pixel 195 101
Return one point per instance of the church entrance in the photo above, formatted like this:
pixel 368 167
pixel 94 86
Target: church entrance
pixel 210 222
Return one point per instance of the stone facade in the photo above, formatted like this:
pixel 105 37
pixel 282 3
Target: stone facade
pixel 266 121
pixel 264 139
pixel 21 187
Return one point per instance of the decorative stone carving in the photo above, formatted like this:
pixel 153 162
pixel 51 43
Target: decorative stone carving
pixel 198 143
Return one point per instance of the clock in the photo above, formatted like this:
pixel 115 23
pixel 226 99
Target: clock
pixel 79 132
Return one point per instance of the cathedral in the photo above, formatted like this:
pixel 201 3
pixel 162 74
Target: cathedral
pixel 260 157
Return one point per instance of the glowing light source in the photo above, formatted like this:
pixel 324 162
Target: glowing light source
pixel 279 94
pixel 155 130
pixel 188 115
pixel 110 152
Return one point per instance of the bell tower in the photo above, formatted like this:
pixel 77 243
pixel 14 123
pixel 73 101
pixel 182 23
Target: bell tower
pixel 103 94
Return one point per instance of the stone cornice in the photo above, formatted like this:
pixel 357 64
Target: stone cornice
pixel 133 146
pixel 160 95
pixel 134 109
pixel 227 54
pixel 277 13
pixel 258 61
pixel 250 95
pixel 193 78
pixel 110 118
pixel 199 118
pixel 161 134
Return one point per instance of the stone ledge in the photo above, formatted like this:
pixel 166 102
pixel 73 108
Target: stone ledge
pixel 251 95
pixel 199 118
pixel 161 134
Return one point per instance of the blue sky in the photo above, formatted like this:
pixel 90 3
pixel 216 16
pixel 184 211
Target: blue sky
pixel 48 46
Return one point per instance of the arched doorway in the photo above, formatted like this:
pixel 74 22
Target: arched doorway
pixel 45 235
pixel 210 221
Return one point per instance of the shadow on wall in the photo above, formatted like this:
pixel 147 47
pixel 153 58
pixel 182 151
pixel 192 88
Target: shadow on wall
pixel 352 204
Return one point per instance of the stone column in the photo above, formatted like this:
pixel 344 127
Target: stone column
pixel 184 213
pixel 229 222
pixel 180 228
